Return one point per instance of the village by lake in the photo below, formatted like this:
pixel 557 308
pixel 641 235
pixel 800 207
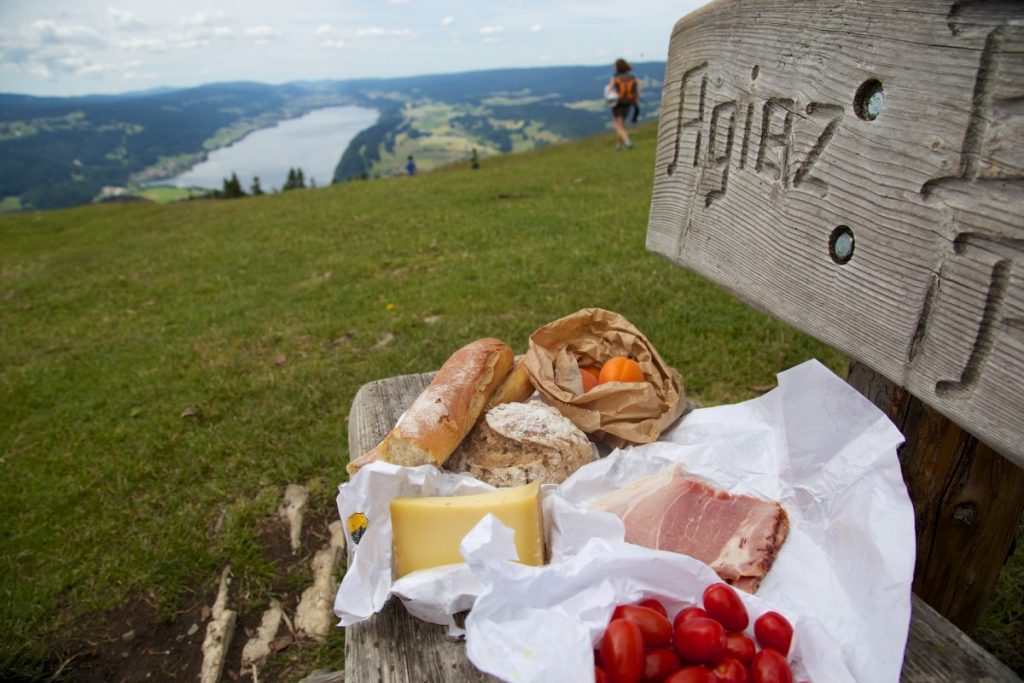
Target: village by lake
pixel 313 142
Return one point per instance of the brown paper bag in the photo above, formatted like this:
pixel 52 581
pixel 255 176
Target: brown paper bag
pixel 619 413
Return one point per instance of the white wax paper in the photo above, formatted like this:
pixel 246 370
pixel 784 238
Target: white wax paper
pixel 814 444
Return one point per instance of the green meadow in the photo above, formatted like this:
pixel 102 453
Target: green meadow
pixel 168 369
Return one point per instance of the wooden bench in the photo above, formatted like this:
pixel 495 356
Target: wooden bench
pixel 857 171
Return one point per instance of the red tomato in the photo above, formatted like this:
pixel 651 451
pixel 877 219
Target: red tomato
pixel 599 675
pixel 739 646
pixel 655 628
pixel 622 652
pixel 772 630
pixel 730 670
pixel 654 605
pixel 692 674
pixel 723 605
pixel 700 640
pixel 660 662
pixel 688 613
pixel 770 667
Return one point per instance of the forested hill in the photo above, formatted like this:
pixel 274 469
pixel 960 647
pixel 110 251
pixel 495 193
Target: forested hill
pixel 63 151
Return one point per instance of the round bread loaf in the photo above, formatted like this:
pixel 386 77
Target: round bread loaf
pixel 518 443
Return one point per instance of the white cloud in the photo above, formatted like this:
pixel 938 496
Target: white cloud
pixel 126 20
pixel 491 30
pixel 536 28
pixel 447 21
pixel 223 31
pixel 262 34
pixel 148 44
pixel 204 18
pixel 378 32
pixel 49 31
pixel 398 2
pixel 262 31
pixel 324 30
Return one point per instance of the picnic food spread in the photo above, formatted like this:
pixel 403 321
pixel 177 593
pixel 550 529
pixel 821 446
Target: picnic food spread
pixel 589 380
pixel 474 417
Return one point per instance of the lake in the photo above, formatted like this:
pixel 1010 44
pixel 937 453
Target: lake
pixel 314 142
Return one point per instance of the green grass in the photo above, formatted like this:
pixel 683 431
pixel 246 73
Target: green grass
pixel 261 315
pixel 164 194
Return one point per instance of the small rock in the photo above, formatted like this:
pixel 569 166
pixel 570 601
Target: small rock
pixel 128 636
pixel 384 340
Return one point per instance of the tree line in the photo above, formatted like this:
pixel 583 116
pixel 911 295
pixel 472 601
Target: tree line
pixel 232 187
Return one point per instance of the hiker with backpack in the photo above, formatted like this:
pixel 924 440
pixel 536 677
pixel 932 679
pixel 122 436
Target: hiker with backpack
pixel 627 92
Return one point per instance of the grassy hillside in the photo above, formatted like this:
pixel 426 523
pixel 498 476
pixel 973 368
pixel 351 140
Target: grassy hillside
pixel 168 370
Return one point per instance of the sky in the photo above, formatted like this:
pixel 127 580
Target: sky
pixel 78 47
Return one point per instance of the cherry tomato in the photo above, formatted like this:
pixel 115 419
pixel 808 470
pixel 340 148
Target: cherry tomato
pixel 700 640
pixel 654 627
pixel 723 605
pixel 659 663
pixel 730 670
pixel 692 674
pixel 739 646
pixel 654 605
pixel 688 613
pixel 773 630
pixel 599 675
pixel 622 652
pixel 769 666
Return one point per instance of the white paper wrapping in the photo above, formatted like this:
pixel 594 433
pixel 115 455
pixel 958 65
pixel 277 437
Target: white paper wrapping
pixel 814 444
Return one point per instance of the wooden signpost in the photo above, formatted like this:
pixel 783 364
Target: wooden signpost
pixel 856 169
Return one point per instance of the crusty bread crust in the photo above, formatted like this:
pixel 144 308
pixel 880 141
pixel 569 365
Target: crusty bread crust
pixel 516 387
pixel 518 443
pixel 443 414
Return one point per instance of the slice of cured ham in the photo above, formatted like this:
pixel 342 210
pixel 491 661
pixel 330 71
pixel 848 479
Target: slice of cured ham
pixel 737 536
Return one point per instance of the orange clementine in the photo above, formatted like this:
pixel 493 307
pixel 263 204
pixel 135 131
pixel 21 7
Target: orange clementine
pixel 591 378
pixel 621 369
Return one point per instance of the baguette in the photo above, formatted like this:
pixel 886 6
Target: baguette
pixel 441 416
pixel 517 386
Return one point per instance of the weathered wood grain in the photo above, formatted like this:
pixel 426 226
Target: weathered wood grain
pixel 769 148
pixel 394 646
pixel 968 502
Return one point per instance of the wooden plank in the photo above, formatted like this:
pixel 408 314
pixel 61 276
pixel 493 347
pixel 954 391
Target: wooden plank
pixel 968 502
pixel 789 128
pixel 938 651
pixel 395 647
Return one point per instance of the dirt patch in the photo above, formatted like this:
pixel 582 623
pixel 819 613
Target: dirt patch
pixel 133 644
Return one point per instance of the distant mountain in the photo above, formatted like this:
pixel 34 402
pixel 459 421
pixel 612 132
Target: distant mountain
pixel 64 151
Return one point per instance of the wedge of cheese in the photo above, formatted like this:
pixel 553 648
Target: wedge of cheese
pixel 427 532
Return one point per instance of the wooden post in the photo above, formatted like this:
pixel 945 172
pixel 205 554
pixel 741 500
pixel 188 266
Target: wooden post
pixel 968 501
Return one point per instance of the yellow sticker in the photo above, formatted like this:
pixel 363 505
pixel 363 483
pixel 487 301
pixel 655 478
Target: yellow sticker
pixel 357 524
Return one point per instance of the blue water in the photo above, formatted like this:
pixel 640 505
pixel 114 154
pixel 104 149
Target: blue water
pixel 314 143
